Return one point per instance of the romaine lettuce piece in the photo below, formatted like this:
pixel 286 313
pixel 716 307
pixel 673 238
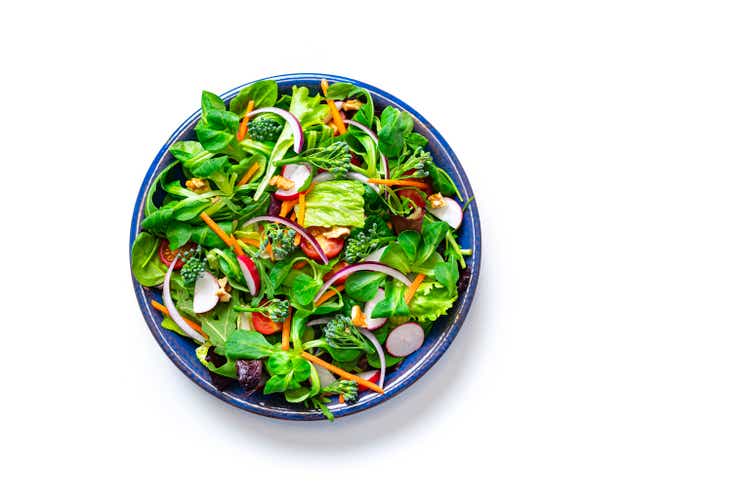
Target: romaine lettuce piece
pixel 336 203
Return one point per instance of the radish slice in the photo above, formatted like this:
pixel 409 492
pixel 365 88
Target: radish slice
pixel 370 322
pixel 205 297
pixel 363 266
pixel 375 256
pixel 326 377
pixel 383 159
pixel 250 272
pixel 322 177
pixel 370 376
pixel 243 321
pixel 291 225
pixel 404 339
pixel 379 350
pixel 173 312
pixel 299 137
pixel 296 173
pixel 450 213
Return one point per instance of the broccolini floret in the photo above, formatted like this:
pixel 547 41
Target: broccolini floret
pixel 418 161
pixel 346 388
pixel 264 129
pixel 335 158
pixel 340 333
pixel 281 240
pixel 275 309
pixel 363 241
pixel 194 265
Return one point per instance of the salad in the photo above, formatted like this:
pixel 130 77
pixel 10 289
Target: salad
pixel 304 241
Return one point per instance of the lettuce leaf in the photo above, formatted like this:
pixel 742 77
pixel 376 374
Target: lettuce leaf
pixel 431 301
pixel 336 203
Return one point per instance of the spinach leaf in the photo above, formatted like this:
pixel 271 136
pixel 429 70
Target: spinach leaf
pixel 409 242
pixel 204 235
pixel 178 233
pixel 244 344
pixel 395 256
pixel 263 93
pixel 395 126
pixel 210 101
pixel 158 221
pixel 146 264
pixel 341 90
pixel 304 288
pixel 441 181
pixel 362 286
pixel 393 304
pixel 416 140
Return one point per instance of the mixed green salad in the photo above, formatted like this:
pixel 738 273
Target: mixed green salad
pixel 304 241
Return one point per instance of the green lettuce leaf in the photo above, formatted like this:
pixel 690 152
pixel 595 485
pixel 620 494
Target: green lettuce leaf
pixel 336 203
pixel 431 301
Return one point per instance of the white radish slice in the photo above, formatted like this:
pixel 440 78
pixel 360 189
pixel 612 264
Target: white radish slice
pixel 375 256
pixel 205 297
pixel 172 309
pixel 250 272
pixel 326 377
pixel 297 173
pixel 243 321
pixel 370 322
pixel 322 177
pixel 450 213
pixel 370 376
pixel 404 340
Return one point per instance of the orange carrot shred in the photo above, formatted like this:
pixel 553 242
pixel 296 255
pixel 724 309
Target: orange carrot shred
pixel 230 241
pixel 340 126
pixel 285 331
pixel 398 182
pixel 330 293
pixel 249 174
pixel 242 131
pixel 341 373
pixel 195 326
pixel 413 288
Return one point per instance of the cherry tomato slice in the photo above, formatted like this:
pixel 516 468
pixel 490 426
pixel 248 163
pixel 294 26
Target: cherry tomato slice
pixel 264 325
pixel 331 247
pixel 413 195
pixel 338 267
pixel 167 256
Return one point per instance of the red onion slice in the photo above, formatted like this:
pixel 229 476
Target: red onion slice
pixel 319 321
pixel 379 349
pixel 383 159
pixel 294 226
pixel 322 177
pixel 173 312
pixel 363 266
pixel 299 137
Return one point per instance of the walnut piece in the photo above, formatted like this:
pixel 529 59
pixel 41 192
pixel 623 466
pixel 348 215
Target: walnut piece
pixel 223 291
pixel 335 232
pixel 358 317
pixel 351 105
pixel 197 185
pixel 281 182
pixel 436 200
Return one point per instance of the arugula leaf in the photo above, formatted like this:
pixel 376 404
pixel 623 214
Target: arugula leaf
pixel 148 268
pixel 395 126
pixel 244 344
pixel 363 285
pixel 263 93
pixel 220 322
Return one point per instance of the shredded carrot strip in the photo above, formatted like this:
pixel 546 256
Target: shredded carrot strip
pixel 269 250
pixel 242 131
pixel 341 373
pixel 293 217
pixel 330 293
pixel 340 126
pixel 397 182
pixel 249 174
pixel 286 207
pixel 301 209
pixel 231 242
pixel 341 398
pixel 285 331
pixel 195 326
pixel 413 288
pixel 251 241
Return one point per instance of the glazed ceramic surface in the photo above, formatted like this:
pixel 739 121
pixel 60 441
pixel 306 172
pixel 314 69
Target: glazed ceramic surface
pixel 182 350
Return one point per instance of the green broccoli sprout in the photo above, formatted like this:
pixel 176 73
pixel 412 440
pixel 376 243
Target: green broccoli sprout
pixel 264 129
pixel 363 241
pixel 281 240
pixel 419 161
pixel 335 158
pixel 346 388
pixel 275 309
pixel 340 333
pixel 193 265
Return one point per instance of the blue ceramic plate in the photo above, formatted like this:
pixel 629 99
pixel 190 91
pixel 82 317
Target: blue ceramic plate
pixel 182 350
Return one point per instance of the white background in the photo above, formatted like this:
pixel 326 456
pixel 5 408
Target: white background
pixel 607 351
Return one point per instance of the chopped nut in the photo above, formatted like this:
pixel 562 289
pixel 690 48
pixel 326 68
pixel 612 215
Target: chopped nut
pixel 197 185
pixel 358 317
pixel 351 105
pixel 223 291
pixel 436 200
pixel 281 182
